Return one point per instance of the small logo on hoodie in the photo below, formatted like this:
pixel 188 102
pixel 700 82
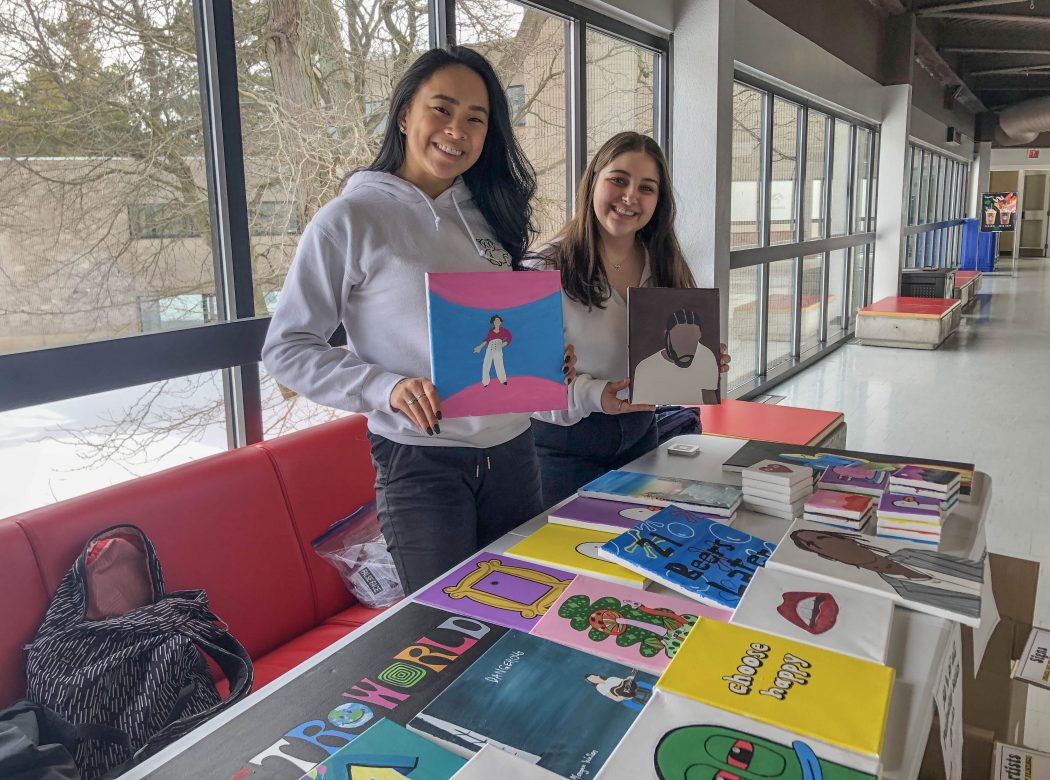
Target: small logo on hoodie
pixel 493 252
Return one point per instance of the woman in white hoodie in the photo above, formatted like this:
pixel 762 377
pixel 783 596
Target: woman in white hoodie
pixel 449 190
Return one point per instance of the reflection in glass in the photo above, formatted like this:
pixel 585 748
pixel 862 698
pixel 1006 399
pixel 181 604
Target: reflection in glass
pixel 812 271
pixel 619 89
pixel 816 175
pixel 56 451
pixel 780 322
pixel 747 167
pixel 783 220
pixel 743 320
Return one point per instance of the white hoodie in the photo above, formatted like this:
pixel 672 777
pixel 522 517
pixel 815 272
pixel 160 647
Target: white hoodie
pixel 361 262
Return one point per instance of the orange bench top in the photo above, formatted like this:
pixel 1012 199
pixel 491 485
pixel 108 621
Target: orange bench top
pixel 768 422
pixel 896 306
pixel 963 278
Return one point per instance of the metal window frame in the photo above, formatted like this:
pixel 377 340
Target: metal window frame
pixel 233 346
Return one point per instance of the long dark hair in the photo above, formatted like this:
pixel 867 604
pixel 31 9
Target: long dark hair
pixel 576 252
pixel 502 181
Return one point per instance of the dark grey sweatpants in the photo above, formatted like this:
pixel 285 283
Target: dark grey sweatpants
pixel 440 505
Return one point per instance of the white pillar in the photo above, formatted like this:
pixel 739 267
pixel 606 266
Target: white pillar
pixel 892 214
pixel 702 138
pixel 979 173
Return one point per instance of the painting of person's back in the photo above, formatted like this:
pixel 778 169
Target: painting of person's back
pixel 673 345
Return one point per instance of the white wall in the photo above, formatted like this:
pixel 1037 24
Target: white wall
pixel 934 132
pixel 1017 159
pixel 766 47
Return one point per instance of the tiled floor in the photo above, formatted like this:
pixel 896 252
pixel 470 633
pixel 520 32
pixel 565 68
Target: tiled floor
pixel 982 397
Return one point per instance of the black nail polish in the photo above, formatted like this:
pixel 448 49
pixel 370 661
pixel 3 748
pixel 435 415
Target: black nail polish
pixel 568 381
pixel 430 431
pixel 565 369
pixel 438 415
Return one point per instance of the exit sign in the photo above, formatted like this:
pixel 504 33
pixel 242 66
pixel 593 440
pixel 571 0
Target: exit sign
pixel 1033 153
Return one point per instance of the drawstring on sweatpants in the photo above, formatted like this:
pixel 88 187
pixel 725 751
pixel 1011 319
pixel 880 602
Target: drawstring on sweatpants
pixel 477 467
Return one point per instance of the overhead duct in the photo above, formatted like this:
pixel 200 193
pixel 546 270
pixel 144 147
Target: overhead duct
pixel 1023 122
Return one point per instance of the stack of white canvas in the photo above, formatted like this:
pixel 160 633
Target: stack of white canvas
pixel 929 482
pixel 916 518
pixel 777 489
pixel 846 510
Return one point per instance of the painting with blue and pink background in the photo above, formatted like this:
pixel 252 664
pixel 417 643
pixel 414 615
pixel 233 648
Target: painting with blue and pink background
pixel 460 309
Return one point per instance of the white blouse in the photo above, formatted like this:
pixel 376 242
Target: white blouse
pixel 599 336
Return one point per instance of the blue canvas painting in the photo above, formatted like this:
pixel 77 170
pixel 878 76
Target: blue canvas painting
pixel 496 342
pixel 554 706
pixel 695 555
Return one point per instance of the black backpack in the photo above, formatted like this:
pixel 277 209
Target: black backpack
pixel 135 681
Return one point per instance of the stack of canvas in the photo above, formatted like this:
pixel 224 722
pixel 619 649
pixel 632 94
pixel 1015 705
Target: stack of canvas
pixel 846 510
pixel 941 484
pixel 652 490
pixel 777 489
pixel 865 480
pixel 916 518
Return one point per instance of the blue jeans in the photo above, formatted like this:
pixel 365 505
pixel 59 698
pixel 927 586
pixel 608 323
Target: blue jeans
pixel 573 455
pixel 440 505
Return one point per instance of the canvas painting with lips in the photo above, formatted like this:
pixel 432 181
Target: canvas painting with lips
pixel 909 573
pixel 833 616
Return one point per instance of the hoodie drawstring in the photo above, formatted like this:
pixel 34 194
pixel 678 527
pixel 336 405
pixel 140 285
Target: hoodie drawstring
pixel 437 219
pixel 466 226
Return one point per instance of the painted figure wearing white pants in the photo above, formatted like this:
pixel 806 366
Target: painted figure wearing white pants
pixel 496 339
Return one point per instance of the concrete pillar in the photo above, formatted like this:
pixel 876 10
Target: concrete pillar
pixel 979 171
pixel 892 215
pixel 702 138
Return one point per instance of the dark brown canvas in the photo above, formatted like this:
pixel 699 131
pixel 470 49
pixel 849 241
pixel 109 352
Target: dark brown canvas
pixel 667 365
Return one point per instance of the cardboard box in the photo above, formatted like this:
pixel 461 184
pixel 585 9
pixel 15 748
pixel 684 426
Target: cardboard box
pixel 994 705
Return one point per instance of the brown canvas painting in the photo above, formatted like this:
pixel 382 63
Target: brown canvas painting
pixel 673 345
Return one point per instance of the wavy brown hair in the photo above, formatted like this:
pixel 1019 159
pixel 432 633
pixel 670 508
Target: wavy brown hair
pixel 576 251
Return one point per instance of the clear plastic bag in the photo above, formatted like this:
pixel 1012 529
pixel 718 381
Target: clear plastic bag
pixel 356 548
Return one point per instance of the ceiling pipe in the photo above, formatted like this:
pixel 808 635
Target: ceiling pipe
pixel 1006 18
pixel 934 10
pixel 1023 122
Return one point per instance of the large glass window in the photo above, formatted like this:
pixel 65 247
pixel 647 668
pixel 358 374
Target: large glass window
pixel 812 296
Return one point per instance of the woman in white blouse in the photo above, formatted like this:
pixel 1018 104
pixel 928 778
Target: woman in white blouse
pixel 622 236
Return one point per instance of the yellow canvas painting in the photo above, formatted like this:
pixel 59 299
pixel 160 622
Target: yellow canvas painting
pixel 574 549
pixel 806 690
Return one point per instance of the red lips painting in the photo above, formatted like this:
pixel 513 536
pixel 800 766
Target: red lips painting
pixel 812 612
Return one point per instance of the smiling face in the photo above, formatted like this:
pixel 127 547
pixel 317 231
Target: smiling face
pixel 444 128
pixel 626 192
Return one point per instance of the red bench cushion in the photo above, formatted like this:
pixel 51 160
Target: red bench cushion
pixel 326 474
pixel 23 602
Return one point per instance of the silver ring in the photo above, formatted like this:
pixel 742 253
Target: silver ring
pixel 418 397
pixel 411 401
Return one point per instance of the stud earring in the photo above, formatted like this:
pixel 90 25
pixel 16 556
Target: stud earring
pixel 402 128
